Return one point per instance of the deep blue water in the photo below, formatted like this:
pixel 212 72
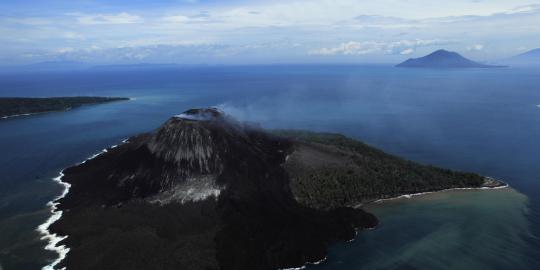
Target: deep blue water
pixel 486 121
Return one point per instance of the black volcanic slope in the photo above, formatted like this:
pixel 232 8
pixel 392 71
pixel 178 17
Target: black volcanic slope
pixel 443 59
pixel 10 106
pixel 206 192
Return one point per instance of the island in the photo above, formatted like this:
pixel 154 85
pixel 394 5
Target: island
pixel 205 191
pixel 443 59
pixel 19 106
pixel 529 58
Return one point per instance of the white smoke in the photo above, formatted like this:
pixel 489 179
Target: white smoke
pixel 201 115
pixel 194 117
pixel 238 113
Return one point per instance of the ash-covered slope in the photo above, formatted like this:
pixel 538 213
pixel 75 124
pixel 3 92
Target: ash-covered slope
pixel 206 192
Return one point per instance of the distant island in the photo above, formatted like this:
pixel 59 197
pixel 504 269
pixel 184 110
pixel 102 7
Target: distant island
pixel 206 192
pixel 18 106
pixel 443 59
pixel 529 58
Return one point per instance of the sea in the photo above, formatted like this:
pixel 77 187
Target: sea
pixel 481 120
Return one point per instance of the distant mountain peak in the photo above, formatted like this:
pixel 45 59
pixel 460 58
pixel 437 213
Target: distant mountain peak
pixel 528 58
pixel 443 52
pixel 443 59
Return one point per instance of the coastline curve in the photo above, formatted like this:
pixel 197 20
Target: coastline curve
pixel 54 239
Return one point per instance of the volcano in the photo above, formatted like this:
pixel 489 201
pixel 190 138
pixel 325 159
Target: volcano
pixel 443 59
pixel 205 191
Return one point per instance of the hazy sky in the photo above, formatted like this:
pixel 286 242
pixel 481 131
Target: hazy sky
pixel 236 32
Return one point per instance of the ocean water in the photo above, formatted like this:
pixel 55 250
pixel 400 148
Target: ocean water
pixel 446 230
pixel 486 121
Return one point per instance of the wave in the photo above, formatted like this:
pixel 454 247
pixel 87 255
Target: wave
pixel 52 238
pixel 43 229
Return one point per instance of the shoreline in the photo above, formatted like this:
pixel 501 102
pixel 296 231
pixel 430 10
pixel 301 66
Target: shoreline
pixel 411 195
pixel 307 264
pixel 404 196
pixel 30 114
pixel 53 111
pixel 52 238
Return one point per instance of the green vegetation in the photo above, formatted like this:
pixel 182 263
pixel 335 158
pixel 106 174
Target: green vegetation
pixel 17 106
pixel 331 170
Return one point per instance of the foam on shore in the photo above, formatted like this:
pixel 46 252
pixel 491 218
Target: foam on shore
pixel 52 238
pixel 17 115
pixel 43 229
pixel 408 196
pixel 306 264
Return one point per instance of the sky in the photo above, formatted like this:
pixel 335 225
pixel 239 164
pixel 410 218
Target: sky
pixel 262 32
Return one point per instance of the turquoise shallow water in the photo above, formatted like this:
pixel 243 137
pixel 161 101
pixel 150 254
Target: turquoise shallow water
pixel 447 230
pixel 486 121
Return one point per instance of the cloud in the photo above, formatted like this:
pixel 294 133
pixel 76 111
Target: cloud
pixel 73 35
pixel 351 48
pixel 407 51
pixel 378 30
pixel 372 47
pixel 523 9
pixel 173 53
pixel 375 21
pixel 176 19
pixel 31 21
pixel 476 47
pixel 65 50
pixel 201 17
pixel 515 12
pixel 97 19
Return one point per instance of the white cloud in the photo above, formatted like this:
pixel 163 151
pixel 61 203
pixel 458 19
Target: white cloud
pixel 379 30
pixel 385 12
pixel 371 47
pixel 183 19
pixel 119 18
pixel 350 48
pixel 73 35
pixel 176 19
pixel 523 9
pixel 476 47
pixel 32 21
pixel 64 50
pixel 407 51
